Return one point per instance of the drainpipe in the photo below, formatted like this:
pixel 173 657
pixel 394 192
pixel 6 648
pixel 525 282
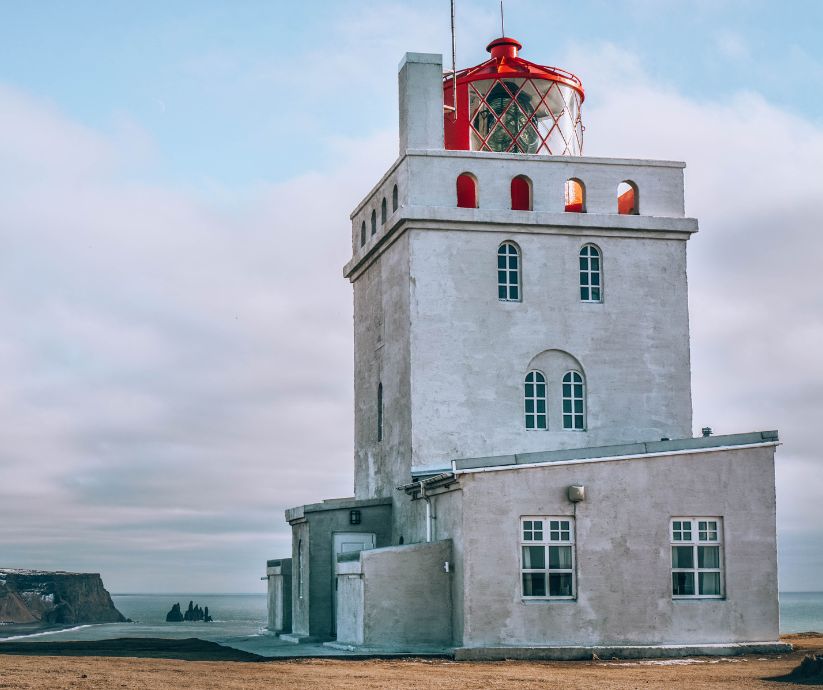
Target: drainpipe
pixel 429 516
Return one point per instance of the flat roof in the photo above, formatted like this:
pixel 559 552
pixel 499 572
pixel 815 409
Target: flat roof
pixel 616 451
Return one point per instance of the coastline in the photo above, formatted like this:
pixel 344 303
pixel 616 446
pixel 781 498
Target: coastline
pixel 159 669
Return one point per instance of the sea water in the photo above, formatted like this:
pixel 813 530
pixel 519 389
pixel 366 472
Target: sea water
pixel 237 617
pixel 240 619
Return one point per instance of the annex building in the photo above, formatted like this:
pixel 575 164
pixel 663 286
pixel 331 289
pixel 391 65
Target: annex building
pixel 526 477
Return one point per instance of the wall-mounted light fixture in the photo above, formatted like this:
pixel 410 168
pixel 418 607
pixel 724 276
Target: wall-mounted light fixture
pixel 576 493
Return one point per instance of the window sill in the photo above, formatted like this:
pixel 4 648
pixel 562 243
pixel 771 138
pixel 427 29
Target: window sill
pixel 548 600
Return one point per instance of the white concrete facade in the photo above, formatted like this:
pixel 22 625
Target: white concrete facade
pixel 440 364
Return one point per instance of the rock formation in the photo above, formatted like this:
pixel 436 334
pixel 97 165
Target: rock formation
pixel 175 615
pixel 59 598
pixel 193 613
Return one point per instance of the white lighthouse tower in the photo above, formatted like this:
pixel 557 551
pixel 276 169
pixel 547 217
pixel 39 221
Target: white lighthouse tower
pixel 525 472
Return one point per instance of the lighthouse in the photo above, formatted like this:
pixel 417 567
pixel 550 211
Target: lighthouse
pixel 526 477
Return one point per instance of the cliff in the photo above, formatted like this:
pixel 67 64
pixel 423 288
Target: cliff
pixel 57 598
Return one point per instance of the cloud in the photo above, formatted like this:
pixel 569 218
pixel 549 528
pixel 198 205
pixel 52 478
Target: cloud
pixel 168 362
pixel 177 363
pixel 755 303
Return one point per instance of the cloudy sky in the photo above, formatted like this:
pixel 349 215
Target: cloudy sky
pixel 175 184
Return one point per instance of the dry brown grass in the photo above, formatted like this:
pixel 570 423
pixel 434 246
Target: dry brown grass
pixel 56 673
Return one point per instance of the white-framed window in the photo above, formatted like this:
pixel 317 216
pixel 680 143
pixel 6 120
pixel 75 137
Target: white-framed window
pixel 574 402
pixel 547 558
pixel 508 272
pixel 697 557
pixel 534 401
pixel 591 274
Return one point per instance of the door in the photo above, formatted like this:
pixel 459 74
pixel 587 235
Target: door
pixel 345 542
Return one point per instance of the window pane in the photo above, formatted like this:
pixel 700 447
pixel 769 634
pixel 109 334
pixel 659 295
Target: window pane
pixel 595 279
pixel 560 557
pixel 595 263
pixel 513 262
pixel 534 557
pixel 584 293
pixel 578 406
pixel 560 584
pixel 514 293
pixel 530 389
pixel 584 264
pixel 682 557
pixel 554 524
pixel 541 421
pixel 567 406
pixel 596 294
pixel 534 584
pixel 501 292
pixel 501 261
pixel 708 556
pixel 584 279
pixel 709 583
pixel 540 388
pixel 530 421
pixel 529 406
pixel 541 406
pixel 683 584
pixel 578 422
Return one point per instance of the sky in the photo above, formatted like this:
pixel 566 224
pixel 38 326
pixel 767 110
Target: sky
pixel 175 186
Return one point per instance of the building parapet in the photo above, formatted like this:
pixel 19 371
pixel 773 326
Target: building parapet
pixel 299 512
pixel 618 452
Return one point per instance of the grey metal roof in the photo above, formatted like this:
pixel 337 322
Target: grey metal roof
pixel 642 448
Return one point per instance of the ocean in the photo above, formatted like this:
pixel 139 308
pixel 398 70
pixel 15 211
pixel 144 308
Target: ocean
pixel 240 619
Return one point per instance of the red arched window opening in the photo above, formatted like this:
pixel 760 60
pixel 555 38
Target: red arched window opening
pixel 466 191
pixel 627 198
pixel 575 196
pixel 521 193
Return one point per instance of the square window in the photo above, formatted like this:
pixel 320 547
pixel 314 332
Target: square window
pixel 683 584
pixel 682 557
pixel 708 557
pixel 709 584
pixel 534 584
pixel 560 584
pixel 560 558
pixel 534 557
pixel 697 565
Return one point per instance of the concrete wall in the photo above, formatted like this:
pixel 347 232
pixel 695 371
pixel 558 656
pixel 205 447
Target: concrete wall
pixel 278 574
pixel 420 86
pixel 623 551
pixel 301 570
pixel 397 596
pixel 312 613
pixel 470 351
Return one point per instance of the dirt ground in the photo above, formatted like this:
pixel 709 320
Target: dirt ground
pixel 146 674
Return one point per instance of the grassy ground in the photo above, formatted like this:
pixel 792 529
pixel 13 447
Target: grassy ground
pixel 58 672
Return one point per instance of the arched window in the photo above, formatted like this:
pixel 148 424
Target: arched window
pixel 575 196
pixel 383 213
pixel 508 272
pixel 394 199
pixel 373 222
pixel 379 411
pixel 466 191
pixel 591 275
pixel 628 200
pixel 363 233
pixel 574 404
pixel 534 398
pixel 521 193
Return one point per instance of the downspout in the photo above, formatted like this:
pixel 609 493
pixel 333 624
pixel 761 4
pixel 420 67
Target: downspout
pixel 429 516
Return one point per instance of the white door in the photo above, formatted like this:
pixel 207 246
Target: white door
pixel 346 542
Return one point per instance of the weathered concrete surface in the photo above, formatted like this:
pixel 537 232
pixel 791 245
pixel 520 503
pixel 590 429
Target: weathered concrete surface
pixel 313 528
pixel 420 86
pixel 397 596
pixel 623 551
pixel 278 575
pixel 619 652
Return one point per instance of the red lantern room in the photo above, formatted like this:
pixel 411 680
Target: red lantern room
pixel 509 104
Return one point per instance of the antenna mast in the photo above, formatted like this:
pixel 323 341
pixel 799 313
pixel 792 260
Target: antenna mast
pixel 502 28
